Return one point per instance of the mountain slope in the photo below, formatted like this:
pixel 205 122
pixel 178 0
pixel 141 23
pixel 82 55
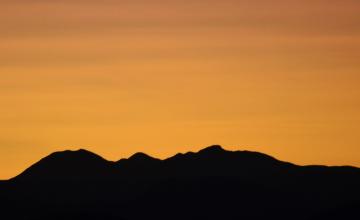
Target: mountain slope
pixel 80 165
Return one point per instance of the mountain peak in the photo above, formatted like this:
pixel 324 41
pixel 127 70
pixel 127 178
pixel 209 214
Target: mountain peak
pixel 141 156
pixel 213 149
pixel 79 151
pixel 80 154
pixel 73 163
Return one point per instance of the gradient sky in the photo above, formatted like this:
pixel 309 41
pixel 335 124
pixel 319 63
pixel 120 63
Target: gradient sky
pixel 120 76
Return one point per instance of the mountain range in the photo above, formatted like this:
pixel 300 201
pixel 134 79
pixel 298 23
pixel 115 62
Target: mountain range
pixel 210 184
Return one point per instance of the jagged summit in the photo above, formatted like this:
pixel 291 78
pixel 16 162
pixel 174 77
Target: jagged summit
pixel 215 150
pixel 181 156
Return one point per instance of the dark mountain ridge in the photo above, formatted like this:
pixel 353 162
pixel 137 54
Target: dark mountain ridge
pixel 211 161
pixel 210 184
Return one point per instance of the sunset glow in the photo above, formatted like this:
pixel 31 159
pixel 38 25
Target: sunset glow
pixel 161 77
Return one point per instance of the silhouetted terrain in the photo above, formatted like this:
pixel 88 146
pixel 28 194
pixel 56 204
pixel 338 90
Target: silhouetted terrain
pixel 210 184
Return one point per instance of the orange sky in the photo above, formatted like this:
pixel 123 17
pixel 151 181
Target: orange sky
pixel 117 77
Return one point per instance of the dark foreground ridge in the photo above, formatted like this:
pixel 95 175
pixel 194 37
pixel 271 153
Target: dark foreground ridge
pixel 211 184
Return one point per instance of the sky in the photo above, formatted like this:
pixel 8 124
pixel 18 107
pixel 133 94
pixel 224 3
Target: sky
pixel 121 76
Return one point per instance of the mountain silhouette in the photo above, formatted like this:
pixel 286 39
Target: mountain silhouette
pixel 81 164
pixel 210 184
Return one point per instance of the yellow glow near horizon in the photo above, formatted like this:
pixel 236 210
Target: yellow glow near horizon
pixel 117 77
